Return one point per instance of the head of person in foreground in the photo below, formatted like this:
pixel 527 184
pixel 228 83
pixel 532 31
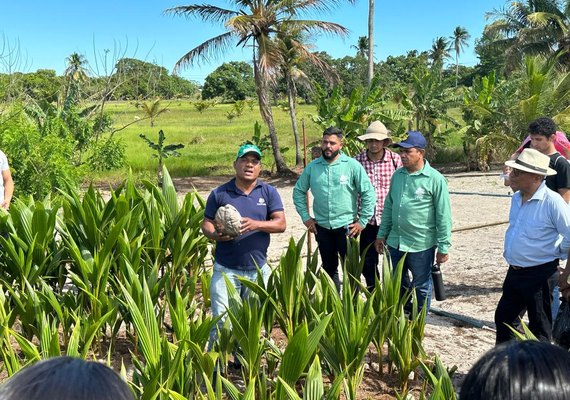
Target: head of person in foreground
pixel 66 378
pixel 520 370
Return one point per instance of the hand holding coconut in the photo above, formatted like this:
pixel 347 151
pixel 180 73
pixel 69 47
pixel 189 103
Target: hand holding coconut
pixel 227 222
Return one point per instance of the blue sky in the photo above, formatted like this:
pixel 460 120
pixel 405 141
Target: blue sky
pixel 46 32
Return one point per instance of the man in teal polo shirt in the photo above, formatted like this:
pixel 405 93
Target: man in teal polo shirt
pixel 336 182
pixel 416 219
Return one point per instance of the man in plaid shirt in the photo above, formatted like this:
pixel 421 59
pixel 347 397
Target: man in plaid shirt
pixel 379 163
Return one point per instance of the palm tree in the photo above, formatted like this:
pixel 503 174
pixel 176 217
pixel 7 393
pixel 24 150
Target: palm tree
pixel 533 27
pixel 439 52
pixel 295 53
pixel 75 73
pixel 459 38
pixel 428 103
pixel 362 46
pixel 152 110
pixel 76 70
pixel 370 41
pixel 255 23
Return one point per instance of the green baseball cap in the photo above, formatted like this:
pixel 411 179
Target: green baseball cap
pixel 248 148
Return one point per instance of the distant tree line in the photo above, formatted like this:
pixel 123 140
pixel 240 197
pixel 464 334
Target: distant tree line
pixel 132 79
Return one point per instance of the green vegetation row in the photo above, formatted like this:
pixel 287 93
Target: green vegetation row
pixel 124 274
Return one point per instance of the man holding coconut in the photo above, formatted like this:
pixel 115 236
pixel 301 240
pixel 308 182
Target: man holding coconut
pixel 250 211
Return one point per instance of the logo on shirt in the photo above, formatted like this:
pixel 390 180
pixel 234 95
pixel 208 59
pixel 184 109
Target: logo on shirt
pixel 420 193
pixel 343 180
pixel 261 201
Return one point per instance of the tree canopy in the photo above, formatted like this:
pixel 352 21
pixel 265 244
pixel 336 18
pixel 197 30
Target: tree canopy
pixel 231 81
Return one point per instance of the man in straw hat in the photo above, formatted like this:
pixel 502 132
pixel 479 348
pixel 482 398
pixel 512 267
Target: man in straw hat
pixel 379 162
pixel 537 237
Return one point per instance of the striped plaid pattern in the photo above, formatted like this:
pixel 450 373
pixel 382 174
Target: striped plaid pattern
pixel 380 173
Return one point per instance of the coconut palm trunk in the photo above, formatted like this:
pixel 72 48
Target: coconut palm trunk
pixel 370 41
pixel 291 96
pixel 261 87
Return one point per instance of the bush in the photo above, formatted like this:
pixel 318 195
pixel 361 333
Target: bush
pixel 107 155
pixel 39 163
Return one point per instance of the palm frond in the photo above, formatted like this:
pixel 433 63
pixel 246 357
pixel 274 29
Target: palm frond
pixel 314 26
pixel 206 12
pixel 205 52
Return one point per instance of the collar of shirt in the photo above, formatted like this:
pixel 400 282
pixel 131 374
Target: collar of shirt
pixel 233 187
pixel 426 170
pixel 538 195
pixel 341 158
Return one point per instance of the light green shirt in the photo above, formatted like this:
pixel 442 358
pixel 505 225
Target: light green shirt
pixel 417 213
pixel 336 188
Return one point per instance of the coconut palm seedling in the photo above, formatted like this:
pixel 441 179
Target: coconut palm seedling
pixel 439 378
pixel 353 325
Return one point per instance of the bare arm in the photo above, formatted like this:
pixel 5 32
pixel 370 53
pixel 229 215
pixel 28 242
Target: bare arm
pixel 209 230
pixel 565 193
pixel 275 224
pixel 8 188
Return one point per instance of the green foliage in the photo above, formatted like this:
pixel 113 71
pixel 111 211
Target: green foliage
pixel 428 102
pixel 398 71
pixel 107 154
pixel 230 81
pixel 236 111
pixel 43 86
pixel 202 105
pixel 354 324
pixel 439 378
pixel 162 151
pixel 101 277
pixel 136 79
pixel 41 161
pixel 152 109
pixel 353 114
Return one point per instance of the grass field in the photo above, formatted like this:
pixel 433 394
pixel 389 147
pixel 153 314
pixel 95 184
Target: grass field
pixel 210 139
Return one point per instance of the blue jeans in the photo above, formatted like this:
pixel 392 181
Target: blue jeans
pixel 219 291
pixel 419 265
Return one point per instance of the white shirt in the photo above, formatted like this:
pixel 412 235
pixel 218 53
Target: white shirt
pixel 539 229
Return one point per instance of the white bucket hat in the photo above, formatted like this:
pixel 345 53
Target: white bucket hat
pixel 533 161
pixel 377 130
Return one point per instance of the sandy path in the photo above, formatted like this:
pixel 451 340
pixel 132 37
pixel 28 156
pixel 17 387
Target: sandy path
pixel 473 275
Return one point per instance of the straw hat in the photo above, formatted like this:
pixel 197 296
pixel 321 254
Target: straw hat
pixel 377 130
pixel 533 161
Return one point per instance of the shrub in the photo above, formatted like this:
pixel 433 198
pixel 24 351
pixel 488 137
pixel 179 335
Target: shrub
pixel 39 163
pixel 107 155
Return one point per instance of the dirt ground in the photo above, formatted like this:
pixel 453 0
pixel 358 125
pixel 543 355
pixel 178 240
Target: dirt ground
pixel 473 275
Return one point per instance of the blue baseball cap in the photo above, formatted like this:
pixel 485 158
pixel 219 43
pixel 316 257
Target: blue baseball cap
pixel 248 148
pixel 414 139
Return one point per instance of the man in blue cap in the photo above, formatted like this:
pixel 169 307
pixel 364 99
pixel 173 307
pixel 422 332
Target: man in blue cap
pixel 416 219
pixel 262 213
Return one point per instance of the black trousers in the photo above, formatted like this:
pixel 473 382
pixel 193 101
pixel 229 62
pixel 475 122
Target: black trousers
pixel 332 244
pixel 529 288
pixel 370 267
